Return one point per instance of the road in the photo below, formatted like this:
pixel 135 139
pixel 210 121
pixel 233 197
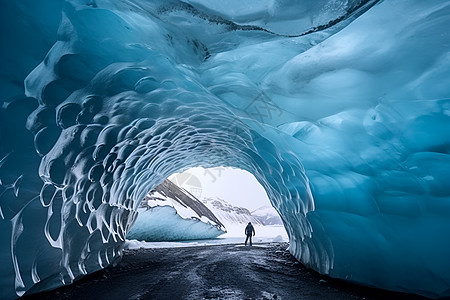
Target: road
pixel 264 271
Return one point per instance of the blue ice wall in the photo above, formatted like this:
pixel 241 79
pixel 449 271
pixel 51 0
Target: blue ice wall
pixel 164 223
pixel 341 110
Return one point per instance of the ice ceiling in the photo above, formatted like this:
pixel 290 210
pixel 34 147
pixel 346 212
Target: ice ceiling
pixel 340 109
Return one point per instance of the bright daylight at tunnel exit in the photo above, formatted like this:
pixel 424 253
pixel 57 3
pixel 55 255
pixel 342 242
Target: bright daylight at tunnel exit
pixel 200 205
pixel 119 120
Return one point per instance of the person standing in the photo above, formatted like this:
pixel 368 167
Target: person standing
pixel 249 231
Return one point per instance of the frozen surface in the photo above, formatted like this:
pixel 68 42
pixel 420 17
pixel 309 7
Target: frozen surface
pixel 163 223
pixel 264 234
pixel 170 213
pixel 340 109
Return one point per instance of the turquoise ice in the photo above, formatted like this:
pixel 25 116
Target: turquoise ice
pixel 340 109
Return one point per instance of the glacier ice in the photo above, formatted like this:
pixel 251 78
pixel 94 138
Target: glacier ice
pixel 170 213
pixel 163 223
pixel 340 109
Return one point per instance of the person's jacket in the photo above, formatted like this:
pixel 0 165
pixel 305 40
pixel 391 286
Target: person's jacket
pixel 249 230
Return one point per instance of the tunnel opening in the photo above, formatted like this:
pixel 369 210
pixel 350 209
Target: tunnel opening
pixel 213 205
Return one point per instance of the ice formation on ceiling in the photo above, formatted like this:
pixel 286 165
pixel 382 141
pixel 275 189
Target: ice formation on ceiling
pixel 339 108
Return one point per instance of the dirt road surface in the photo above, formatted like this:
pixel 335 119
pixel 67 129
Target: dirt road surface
pixel 264 271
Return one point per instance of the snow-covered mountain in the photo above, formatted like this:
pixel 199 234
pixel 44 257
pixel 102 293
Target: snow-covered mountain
pixel 182 200
pixel 267 215
pixel 170 213
pixel 265 220
pixel 229 214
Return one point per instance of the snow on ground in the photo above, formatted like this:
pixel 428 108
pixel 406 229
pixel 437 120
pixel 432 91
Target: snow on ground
pixel 235 235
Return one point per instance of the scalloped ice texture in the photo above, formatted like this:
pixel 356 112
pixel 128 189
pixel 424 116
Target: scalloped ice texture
pixel 340 109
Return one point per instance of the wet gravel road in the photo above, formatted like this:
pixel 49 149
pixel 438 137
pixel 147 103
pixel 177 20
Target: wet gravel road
pixel 264 271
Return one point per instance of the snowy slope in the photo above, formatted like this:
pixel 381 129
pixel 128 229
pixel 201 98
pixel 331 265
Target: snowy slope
pixel 170 213
pixel 184 202
pixel 267 215
pixel 265 220
pixel 229 214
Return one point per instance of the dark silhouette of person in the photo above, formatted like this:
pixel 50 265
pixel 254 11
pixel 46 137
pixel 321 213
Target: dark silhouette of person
pixel 249 231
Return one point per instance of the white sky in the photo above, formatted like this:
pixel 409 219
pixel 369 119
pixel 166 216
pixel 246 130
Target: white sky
pixel 238 187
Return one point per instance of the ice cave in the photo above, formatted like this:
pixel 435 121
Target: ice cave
pixel 339 108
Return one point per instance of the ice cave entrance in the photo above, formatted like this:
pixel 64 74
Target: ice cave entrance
pixel 210 205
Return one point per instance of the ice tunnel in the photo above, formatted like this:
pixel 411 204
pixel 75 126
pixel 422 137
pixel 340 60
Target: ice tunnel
pixel 339 108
